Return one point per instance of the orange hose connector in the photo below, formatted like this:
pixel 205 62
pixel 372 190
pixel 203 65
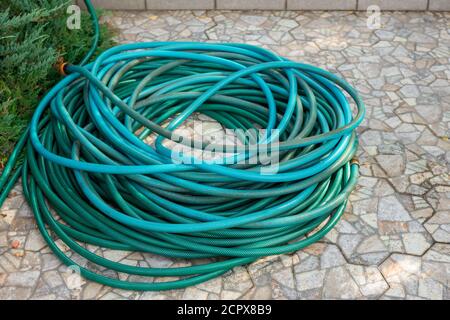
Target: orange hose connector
pixel 60 66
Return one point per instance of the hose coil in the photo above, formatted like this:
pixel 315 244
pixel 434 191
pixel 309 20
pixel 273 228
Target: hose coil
pixel 86 158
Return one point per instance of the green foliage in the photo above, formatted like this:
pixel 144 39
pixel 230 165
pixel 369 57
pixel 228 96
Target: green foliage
pixel 33 35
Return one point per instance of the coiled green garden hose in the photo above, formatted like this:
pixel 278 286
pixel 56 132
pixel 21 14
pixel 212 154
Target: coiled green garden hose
pixel 86 158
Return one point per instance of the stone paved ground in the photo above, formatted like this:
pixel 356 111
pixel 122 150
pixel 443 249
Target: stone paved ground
pixel 394 240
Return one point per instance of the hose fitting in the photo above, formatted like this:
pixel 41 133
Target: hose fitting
pixel 355 161
pixel 60 66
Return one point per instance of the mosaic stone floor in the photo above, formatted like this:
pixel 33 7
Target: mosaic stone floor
pixel 394 240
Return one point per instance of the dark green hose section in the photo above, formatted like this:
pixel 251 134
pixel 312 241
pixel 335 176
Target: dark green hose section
pixel 85 158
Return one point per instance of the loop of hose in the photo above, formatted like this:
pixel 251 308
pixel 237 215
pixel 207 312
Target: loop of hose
pixel 86 158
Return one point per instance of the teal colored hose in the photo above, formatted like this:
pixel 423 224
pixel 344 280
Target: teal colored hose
pixel 85 158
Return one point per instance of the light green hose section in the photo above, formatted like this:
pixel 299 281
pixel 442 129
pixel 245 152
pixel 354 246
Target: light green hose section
pixel 85 157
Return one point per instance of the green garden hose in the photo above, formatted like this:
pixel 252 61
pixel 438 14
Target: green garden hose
pixel 86 158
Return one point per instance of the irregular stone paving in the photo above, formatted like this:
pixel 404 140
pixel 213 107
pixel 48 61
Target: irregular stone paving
pixel 394 239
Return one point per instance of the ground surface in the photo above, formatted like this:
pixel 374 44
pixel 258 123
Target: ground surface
pixel 394 240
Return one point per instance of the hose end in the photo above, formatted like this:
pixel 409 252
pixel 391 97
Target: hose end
pixel 60 66
pixel 355 161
